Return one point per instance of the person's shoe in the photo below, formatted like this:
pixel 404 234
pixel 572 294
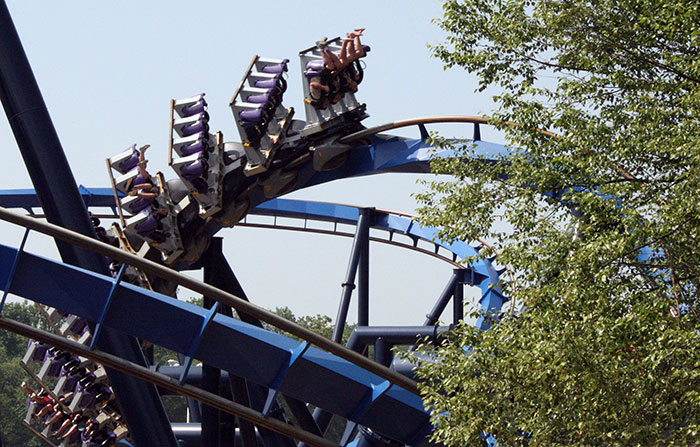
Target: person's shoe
pixel 322 44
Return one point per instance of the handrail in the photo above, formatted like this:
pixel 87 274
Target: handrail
pixel 212 292
pixel 211 399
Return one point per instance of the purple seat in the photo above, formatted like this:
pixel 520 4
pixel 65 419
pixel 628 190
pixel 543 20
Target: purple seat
pixel 276 68
pixel 147 226
pixel 198 126
pixel 267 83
pixel 194 169
pixel 72 376
pixel 259 99
pixel 194 147
pixel 316 65
pixel 56 362
pixel 193 109
pixel 312 74
pixel 39 350
pixel 78 327
pixel 139 205
pixel 131 162
pixel 89 395
pixel 104 394
pixel 138 180
pixel 253 116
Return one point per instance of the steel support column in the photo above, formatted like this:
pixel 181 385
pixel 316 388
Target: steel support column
pixel 361 232
pixel 363 271
pixel 192 405
pixel 441 303
pixel 223 277
pixel 458 297
pixel 63 205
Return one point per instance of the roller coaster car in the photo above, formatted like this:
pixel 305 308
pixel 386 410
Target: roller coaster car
pixel 125 161
pixel 157 225
pixel 199 160
pixel 318 118
pixel 260 117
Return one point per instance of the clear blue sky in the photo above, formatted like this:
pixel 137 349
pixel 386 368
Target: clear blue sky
pixel 107 71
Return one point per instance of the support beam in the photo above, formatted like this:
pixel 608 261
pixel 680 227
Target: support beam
pixel 63 205
pixel 441 303
pixel 363 271
pixel 192 405
pixel 361 232
pixel 162 381
pixel 222 276
pixel 458 297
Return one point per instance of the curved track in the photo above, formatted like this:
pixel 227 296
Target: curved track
pixel 374 396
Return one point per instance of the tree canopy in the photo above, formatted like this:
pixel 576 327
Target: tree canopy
pixel 595 209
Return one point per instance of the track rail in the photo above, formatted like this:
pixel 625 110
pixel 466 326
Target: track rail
pixel 207 290
pixel 161 380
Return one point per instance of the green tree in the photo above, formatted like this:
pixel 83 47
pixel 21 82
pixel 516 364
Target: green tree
pixel 13 400
pixel 606 351
pixel 321 324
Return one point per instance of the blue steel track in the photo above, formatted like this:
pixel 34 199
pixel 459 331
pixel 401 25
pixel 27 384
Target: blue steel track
pixel 335 380
pixel 247 351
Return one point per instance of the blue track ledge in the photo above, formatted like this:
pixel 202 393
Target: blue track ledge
pixel 247 351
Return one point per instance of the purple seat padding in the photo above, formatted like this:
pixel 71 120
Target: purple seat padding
pixel 310 74
pixel 147 226
pixel 194 169
pixel 72 376
pixel 193 109
pixel 56 362
pixel 266 83
pixel 316 65
pixel 78 326
pixel 276 68
pixel 198 126
pixel 39 351
pixel 194 147
pixel 131 162
pixel 259 99
pixel 89 395
pixel 138 180
pixel 252 115
pixel 139 206
pixel 248 124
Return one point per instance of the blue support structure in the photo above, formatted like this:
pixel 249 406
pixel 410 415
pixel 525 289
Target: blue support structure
pixel 458 297
pixel 63 205
pixel 363 270
pixel 13 268
pixel 358 246
pixel 217 272
pixel 447 293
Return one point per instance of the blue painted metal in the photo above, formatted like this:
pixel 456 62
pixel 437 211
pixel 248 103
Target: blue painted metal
pixel 358 243
pixel 62 204
pixel 13 268
pixel 26 198
pixel 100 323
pixel 363 270
pixel 281 374
pixel 196 340
pixel 226 343
pixel 385 155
